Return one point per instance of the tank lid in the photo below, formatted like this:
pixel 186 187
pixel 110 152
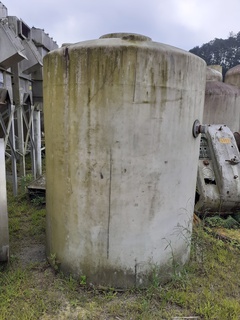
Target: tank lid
pixel 221 88
pixel 216 67
pixel 232 76
pixel 213 74
pixel 234 70
pixel 65 44
pixel 126 36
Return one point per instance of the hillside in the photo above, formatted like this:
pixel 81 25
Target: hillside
pixel 224 52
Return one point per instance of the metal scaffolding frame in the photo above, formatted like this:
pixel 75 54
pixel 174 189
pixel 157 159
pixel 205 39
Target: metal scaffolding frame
pixel 7 111
pixel 21 101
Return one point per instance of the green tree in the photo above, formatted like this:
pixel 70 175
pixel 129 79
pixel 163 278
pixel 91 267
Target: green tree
pixel 224 52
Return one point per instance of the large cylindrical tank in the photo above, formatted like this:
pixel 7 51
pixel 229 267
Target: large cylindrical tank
pixel 213 73
pixel 222 102
pixel 121 160
pixel 233 76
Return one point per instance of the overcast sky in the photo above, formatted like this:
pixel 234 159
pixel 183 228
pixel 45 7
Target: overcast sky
pixel 180 23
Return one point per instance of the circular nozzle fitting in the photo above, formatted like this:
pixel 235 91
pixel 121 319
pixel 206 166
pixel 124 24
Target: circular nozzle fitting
pixel 198 128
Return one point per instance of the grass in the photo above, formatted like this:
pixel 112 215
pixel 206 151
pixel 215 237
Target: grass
pixel 207 288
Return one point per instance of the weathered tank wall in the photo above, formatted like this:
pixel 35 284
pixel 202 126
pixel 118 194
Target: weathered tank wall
pixel 213 73
pixel 4 237
pixel 215 67
pixel 222 102
pixel 120 157
pixel 233 76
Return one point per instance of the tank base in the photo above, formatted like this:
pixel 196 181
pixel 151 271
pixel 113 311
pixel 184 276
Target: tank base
pixel 4 253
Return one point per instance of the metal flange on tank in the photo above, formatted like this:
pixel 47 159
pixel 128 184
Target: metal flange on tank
pixel 4 236
pixel 198 128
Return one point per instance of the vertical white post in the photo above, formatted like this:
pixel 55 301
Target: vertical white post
pixel 30 134
pixel 4 236
pixel 19 105
pixel 21 141
pixel 37 140
pixel 13 154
